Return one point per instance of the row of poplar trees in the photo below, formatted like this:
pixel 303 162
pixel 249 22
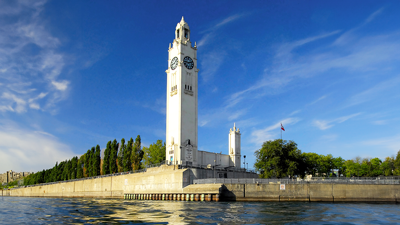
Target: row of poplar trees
pixel 118 157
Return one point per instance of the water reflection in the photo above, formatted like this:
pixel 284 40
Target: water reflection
pixel 87 211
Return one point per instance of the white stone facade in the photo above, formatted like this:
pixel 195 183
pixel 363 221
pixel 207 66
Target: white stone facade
pixel 182 103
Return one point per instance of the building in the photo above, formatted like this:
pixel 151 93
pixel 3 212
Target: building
pixel 182 108
pixel 11 176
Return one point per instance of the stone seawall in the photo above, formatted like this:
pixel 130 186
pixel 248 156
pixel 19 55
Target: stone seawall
pixel 164 179
pixel 172 181
pixel 313 192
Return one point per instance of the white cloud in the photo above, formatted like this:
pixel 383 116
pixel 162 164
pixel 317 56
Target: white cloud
pixel 34 106
pixel 271 132
pixel 376 92
pixel 210 33
pixel 62 86
pixel 326 124
pixel 390 143
pixel 26 150
pixel 319 99
pixel 211 64
pixel 26 74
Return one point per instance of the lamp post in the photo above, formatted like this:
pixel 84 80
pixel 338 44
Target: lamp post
pixel 244 163
pixel 214 168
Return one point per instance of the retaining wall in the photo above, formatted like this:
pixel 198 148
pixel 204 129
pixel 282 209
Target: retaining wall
pixel 164 179
pixel 312 192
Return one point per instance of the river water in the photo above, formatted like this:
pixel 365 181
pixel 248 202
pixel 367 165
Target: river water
pixel 22 210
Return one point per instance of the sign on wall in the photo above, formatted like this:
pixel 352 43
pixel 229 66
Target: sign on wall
pixel 282 186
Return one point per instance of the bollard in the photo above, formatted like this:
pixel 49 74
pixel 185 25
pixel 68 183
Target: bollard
pixel 178 197
pixel 196 197
pixel 202 197
pixel 209 197
pixel 187 197
pixel 192 197
pixel 163 196
pixel 217 197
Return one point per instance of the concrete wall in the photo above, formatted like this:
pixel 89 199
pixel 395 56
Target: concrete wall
pixel 164 179
pixel 312 192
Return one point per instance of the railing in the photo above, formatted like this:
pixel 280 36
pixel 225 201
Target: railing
pixel 219 168
pixel 352 180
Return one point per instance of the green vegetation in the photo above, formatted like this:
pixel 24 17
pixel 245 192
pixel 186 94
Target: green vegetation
pixel 154 154
pixel 9 185
pixel 118 157
pixel 280 158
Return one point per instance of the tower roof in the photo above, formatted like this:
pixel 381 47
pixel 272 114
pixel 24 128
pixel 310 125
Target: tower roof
pixel 182 24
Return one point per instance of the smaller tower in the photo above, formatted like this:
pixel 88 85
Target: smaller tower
pixel 234 147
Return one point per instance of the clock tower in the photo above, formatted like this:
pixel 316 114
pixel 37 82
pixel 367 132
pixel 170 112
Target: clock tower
pixel 182 86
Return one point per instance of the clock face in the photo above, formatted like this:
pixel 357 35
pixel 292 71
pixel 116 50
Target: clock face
pixel 174 63
pixel 188 62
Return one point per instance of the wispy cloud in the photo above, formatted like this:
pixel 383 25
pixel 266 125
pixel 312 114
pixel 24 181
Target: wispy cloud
pixel 326 124
pixel 319 99
pixel 350 35
pixel 390 143
pixel 380 90
pixel 209 33
pixel 27 150
pixel 271 132
pixel 30 63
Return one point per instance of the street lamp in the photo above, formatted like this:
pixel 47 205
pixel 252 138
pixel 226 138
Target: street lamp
pixel 244 163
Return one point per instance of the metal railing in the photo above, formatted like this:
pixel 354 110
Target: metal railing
pixel 342 180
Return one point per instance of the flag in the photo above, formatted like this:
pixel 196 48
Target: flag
pixel 282 128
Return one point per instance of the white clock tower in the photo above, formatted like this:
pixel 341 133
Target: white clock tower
pixel 182 86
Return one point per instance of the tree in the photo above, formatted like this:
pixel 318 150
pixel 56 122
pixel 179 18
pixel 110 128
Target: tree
pixel 387 166
pixel 127 156
pixel 396 165
pixel 154 154
pixel 137 154
pixel 79 167
pixel 311 161
pixel 279 159
pixel 121 155
pixel 74 163
pixel 86 167
pixel 96 161
pixel 113 157
pixel 106 160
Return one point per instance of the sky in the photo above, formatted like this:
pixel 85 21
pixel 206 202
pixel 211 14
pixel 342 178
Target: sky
pixel 74 74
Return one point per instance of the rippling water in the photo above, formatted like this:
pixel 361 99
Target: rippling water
pixel 15 210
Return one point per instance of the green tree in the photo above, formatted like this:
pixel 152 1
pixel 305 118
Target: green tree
pixel 387 166
pixel 96 161
pixel 279 159
pixel 74 163
pixel 121 152
pixel 396 165
pixel 137 154
pixel 154 154
pixel 79 167
pixel 106 160
pixel 86 167
pixel 311 161
pixel 113 157
pixel 127 156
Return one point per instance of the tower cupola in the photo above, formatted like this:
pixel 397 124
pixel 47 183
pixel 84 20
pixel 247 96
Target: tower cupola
pixel 182 31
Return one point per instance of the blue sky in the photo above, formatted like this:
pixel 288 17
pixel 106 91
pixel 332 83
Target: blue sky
pixel 74 74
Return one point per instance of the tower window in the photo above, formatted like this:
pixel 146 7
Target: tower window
pixel 186 33
pixel 177 33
